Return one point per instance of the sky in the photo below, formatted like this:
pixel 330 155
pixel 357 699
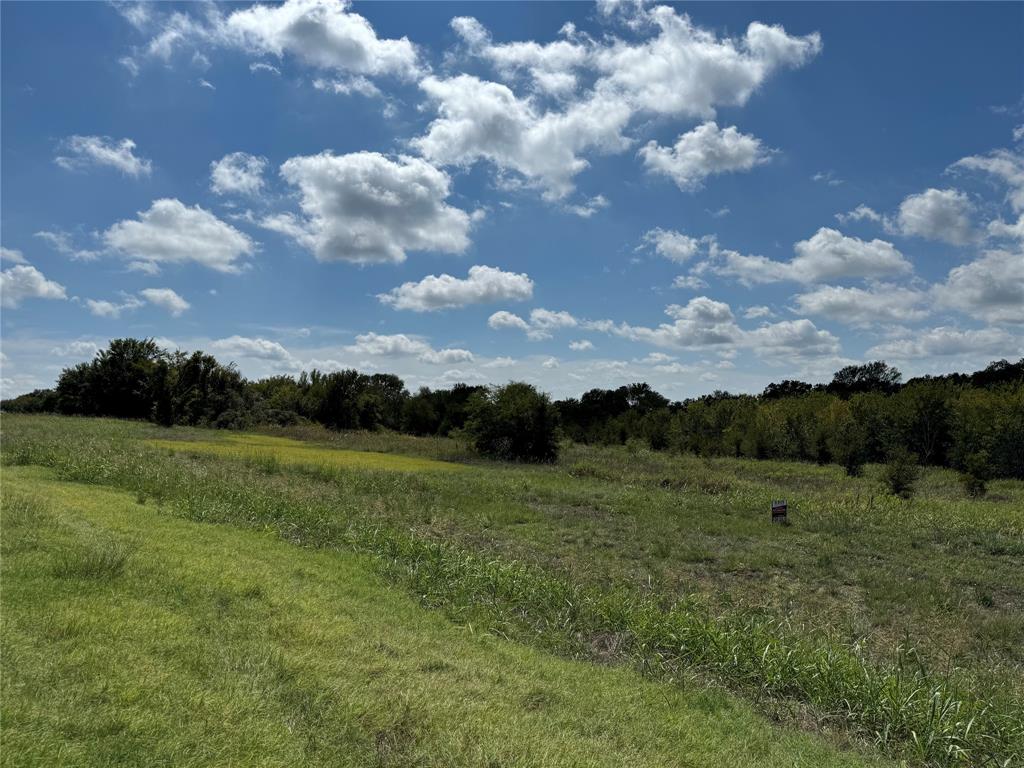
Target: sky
pixel 699 196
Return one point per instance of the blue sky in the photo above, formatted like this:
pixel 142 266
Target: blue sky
pixel 698 196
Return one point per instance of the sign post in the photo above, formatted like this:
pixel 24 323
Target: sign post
pixel 779 508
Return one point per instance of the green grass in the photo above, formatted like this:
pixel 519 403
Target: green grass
pixel 890 622
pixel 270 452
pixel 214 645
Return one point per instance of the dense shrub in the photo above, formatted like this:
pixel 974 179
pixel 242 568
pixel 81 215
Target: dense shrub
pixel 901 472
pixel 513 422
pixel 977 471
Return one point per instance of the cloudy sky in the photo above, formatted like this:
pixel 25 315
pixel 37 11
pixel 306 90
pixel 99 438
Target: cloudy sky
pixel 701 197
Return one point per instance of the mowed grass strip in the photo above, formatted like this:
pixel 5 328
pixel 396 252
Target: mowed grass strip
pixel 268 450
pixel 131 637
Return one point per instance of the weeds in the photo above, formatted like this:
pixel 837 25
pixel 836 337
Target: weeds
pixel 101 560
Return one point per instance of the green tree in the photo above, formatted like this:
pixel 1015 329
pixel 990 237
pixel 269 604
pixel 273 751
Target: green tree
pixel 514 422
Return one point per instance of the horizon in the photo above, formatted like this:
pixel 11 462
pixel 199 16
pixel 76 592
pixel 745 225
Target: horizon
pixel 707 197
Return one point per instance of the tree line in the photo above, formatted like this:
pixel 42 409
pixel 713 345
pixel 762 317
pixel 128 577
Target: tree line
pixel 972 422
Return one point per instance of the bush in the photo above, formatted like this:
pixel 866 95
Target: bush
pixel 901 472
pixel 514 422
pixel 976 474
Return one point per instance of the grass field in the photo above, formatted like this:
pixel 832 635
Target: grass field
pixel 869 621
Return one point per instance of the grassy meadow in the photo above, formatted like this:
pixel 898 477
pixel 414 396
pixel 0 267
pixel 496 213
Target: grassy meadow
pixel 188 597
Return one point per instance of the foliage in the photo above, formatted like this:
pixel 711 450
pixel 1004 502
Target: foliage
pixel 857 418
pixel 514 422
pixel 901 473
pixel 977 472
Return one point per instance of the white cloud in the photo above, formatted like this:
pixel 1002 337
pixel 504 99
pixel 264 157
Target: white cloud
pixel 348 86
pixel 827 177
pixel 680 71
pixel 167 299
pixel 540 326
pixel 206 84
pixel 858 307
pixel 702 152
pixel 503 319
pixel 937 214
pixel 481 120
pixel 321 33
pixel 674 246
pixel 262 66
pixel 1005 165
pixel 689 282
pixel 1000 229
pixel 860 213
pixel 831 255
pixel 589 207
pixel 104 308
pixel 944 342
pixel 483 285
pixel 76 349
pixel 84 151
pixel 238 173
pixel 753 313
pixel 366 208
pixel 550 66
pixel 22 282
pixel 260 349
pixel 400 345
pixel 12 256
pixel 499 362
pixel 551 362
pixel 705 323
pixel 61 242
pixel 990 288
pixel 171 232
pixel 581 346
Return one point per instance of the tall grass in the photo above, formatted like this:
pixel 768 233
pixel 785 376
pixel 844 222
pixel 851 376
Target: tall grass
pixel 936 717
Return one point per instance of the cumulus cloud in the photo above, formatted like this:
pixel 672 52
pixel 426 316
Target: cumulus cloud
pixel 581 346
pixel 860 213
pixel 679 71
pixel 171 232
pixel 937 214
pixel 831 255
pixel 481 120
pixel 541 325
pixel 674 246
pixel 754 313
pixel 23 281
pixel 825 256
pixel 260 349
pixel 483 285
pixel 364 207
pixel 945 342
pixel 990 288
pixel 704 323
pixel 110 309
pixel 85 151
pixel 702 152
pixel 167 299
pixel 400 345
pixel 689 282
pixel 551 67
pixel 859 307
pixel 238 173
pixel 319 33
